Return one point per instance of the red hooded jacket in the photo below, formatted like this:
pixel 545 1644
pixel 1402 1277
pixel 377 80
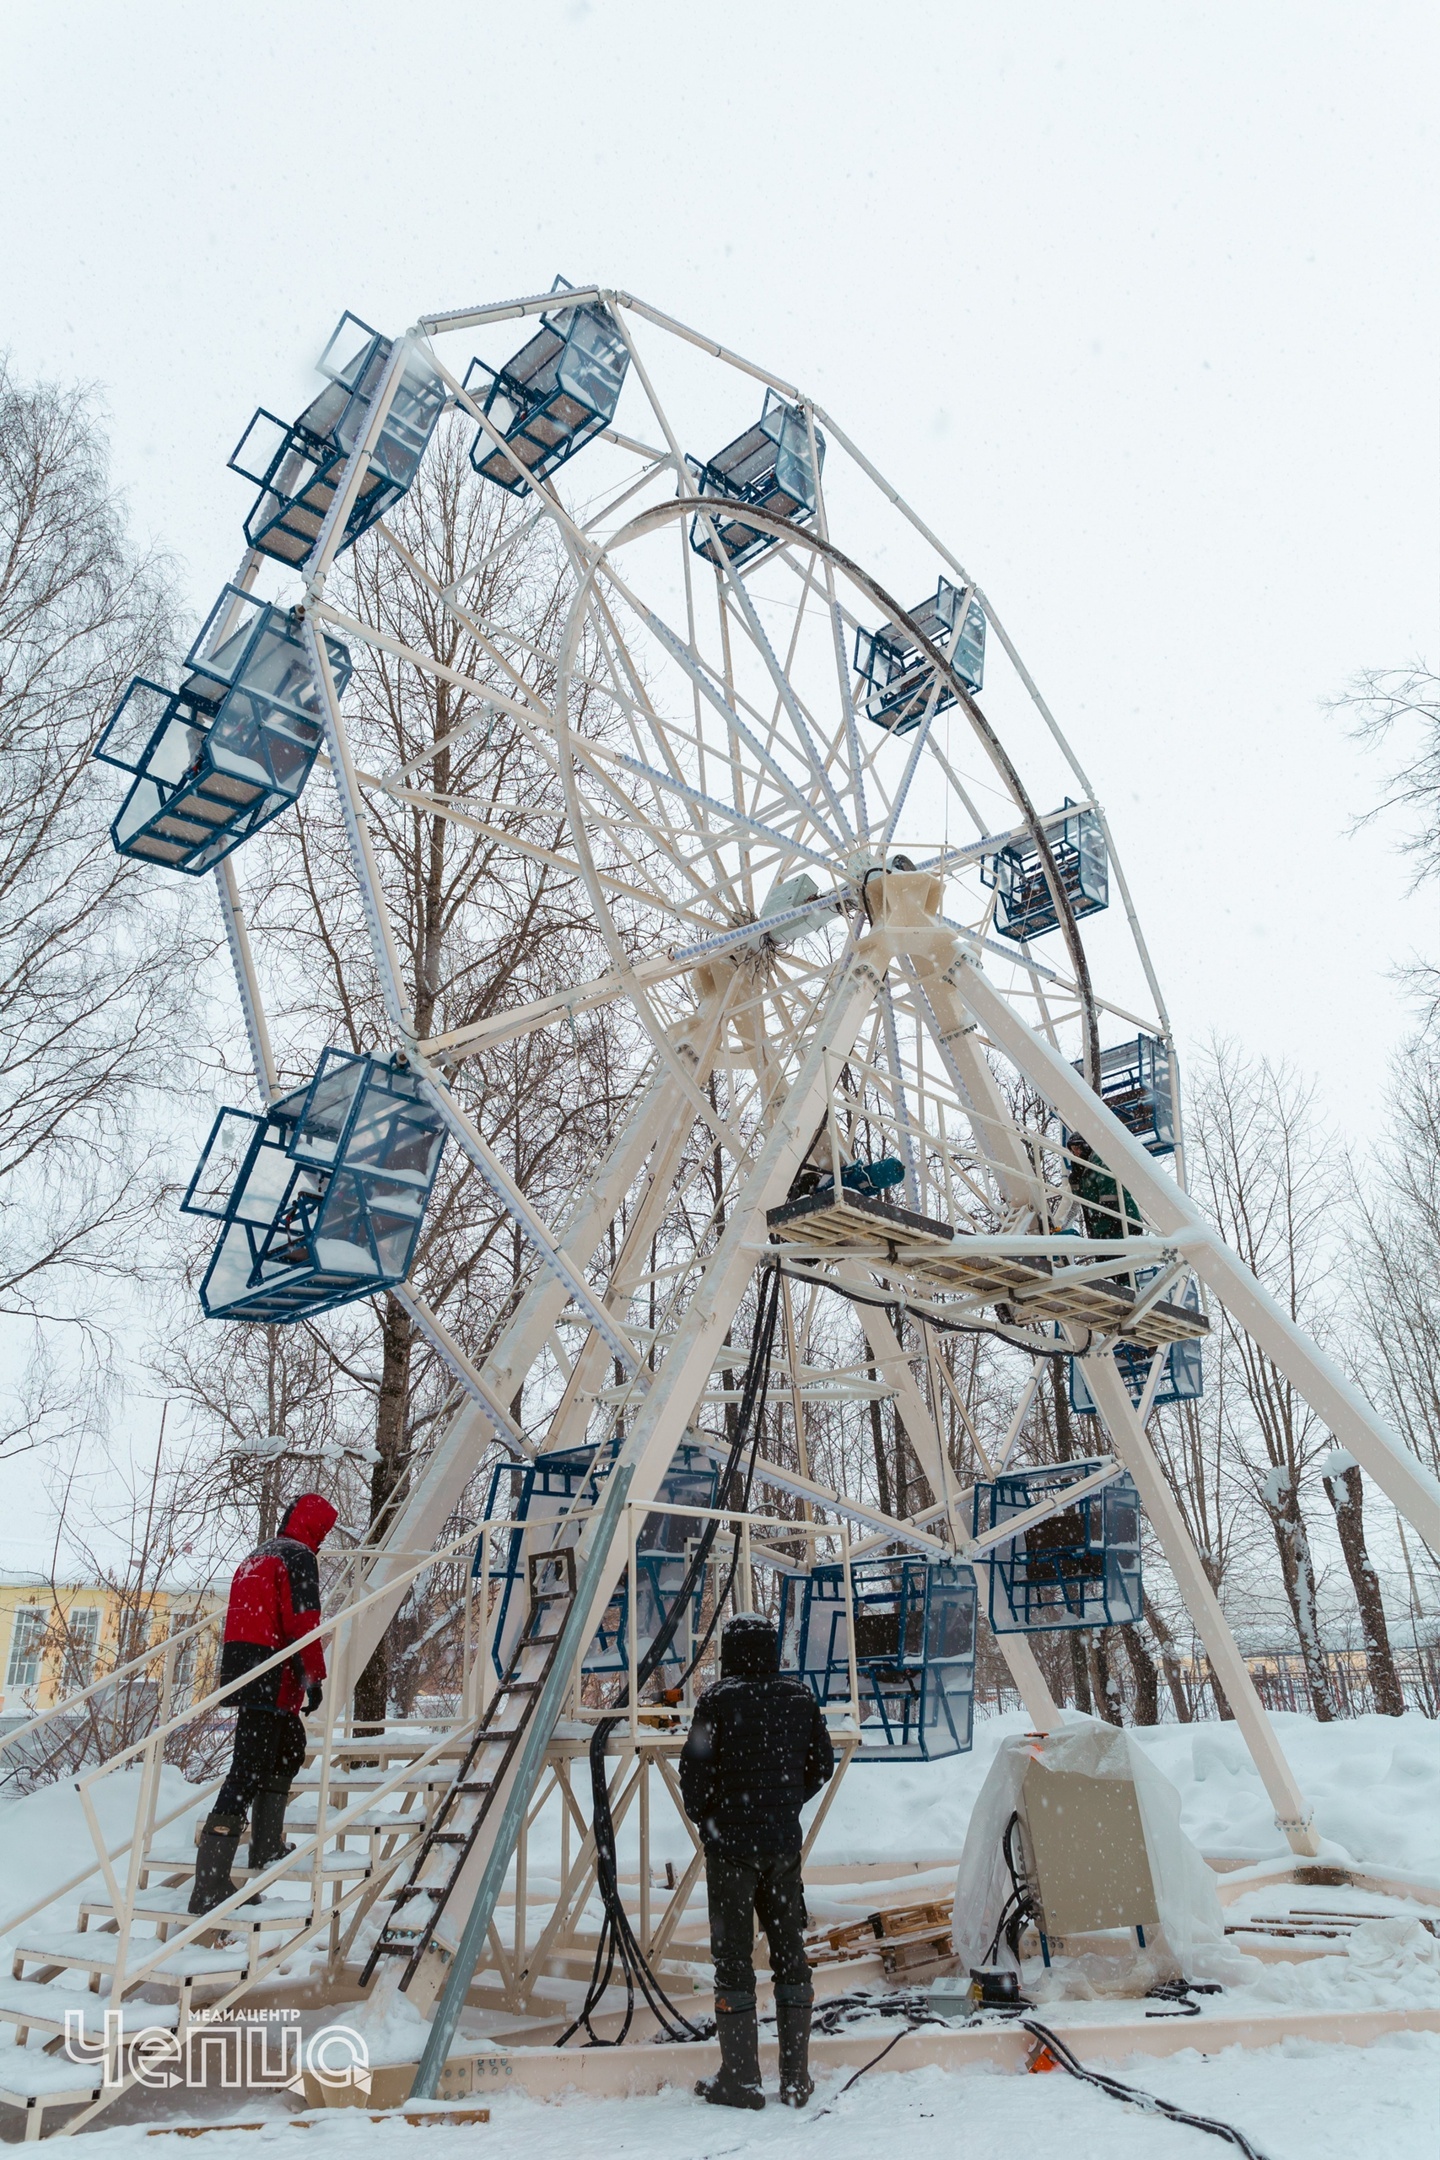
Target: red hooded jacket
pixel 275 1599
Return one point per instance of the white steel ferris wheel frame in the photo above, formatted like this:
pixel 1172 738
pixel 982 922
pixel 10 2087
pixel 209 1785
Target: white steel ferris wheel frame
pixel 906 940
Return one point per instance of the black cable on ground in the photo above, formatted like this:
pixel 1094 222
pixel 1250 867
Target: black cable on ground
pixel 1065 2060
pixel 617 1938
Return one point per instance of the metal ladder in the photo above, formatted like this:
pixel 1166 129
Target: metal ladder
pixel 484 1776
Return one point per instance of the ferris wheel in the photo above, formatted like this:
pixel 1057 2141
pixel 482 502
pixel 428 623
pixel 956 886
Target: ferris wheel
pixel 894 1025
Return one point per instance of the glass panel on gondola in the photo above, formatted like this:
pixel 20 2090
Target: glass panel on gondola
pixel 1182 1372
pixel 324 1200
pixel 217 759
pixel 530 1499
pixel 914 1645
pixel 1078 1566
pixel 1025 906
pixel 768 467
pixel 1135 1083
pixel 902 681
pixel 298 465
pixel 558 392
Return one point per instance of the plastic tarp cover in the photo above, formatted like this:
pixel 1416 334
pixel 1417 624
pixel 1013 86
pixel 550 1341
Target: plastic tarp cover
pixel 1191 1938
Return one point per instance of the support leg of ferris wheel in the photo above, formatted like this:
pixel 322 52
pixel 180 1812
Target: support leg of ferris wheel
pixel 667 1407
pixel 1334 1399
pixel 669 1402
pixel 923 1431
pixel 660 1112
pixel 1293 1815
pixel 438 1489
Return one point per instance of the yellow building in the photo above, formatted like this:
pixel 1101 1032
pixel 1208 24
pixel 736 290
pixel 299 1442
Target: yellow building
pixel 55 1638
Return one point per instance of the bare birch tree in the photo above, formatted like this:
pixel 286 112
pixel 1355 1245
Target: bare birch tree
pixel 1269 1179
pixel 96 956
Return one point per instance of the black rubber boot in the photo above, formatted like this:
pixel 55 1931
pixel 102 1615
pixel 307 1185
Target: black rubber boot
pixel 792 2021
pixel 737 2083
pixel 267 1828
pixel 214 1858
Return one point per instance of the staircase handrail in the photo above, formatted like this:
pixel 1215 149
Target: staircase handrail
pixel 156 1650
pixel 319 1632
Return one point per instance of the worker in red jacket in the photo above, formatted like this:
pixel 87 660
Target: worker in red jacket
pixel 274 1600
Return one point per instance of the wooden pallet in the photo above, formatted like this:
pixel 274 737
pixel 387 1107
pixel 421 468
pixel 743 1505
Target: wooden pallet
pixel 907 1935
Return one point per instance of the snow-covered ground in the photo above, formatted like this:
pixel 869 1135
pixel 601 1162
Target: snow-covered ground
pixel 1375 1787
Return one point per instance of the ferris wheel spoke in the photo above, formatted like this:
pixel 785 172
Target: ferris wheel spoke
pixel 733 821
pixel 725 707
pixel 644 721
pixel 428 664
pixel 441 806
pixel 848 730
pixel 787 697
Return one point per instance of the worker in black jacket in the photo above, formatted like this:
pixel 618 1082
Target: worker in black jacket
pixel 757 1751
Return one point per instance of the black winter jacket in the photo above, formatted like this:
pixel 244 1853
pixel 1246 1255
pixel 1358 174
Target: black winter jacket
pixel 757 1751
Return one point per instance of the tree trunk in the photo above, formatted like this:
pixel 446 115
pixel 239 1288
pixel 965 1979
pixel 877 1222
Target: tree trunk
pixel 1147 1678
pixel 1347 1497
pixel 1080 1674
pixel 1103 1684
pixel 877 1441
pixel 1064 1430
pixel 387 1488
pixel 1174 1680
pixel 1297 1567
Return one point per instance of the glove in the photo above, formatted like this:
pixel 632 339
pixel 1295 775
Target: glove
pixel 312 1698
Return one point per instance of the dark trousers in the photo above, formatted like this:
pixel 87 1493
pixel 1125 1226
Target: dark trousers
pixel 269 1749
pixel 737 1891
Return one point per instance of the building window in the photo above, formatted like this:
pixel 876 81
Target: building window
pixel 134 1636
pixel 83 1625
pixel 27 1645
pixel 183 1682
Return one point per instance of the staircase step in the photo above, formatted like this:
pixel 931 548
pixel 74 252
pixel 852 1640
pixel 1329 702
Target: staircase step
pixel 168 1904
pixel 28 2074
pixel 343 1865
pixel 44 2005
pixel 96 1953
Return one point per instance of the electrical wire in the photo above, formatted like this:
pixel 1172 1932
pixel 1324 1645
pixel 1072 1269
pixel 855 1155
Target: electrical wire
pixel 1020 1908
pixel 617 1942
pixel 896 1311
pixel 1133 2096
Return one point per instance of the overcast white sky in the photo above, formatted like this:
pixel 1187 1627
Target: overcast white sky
pixel 1137 305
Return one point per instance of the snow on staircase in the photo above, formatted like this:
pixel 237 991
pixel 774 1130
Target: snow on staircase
pixel 367 1808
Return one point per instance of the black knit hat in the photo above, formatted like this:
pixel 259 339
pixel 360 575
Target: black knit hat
pixel 749 1648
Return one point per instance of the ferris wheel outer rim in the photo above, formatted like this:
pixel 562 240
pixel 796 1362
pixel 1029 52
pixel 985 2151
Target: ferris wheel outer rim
pixel 661 514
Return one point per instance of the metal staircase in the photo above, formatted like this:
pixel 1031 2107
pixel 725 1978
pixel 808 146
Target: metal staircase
pixel 394 1813
pixel 484 1779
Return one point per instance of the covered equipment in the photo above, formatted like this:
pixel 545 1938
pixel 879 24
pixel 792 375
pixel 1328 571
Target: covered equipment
pixel 1077 1835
